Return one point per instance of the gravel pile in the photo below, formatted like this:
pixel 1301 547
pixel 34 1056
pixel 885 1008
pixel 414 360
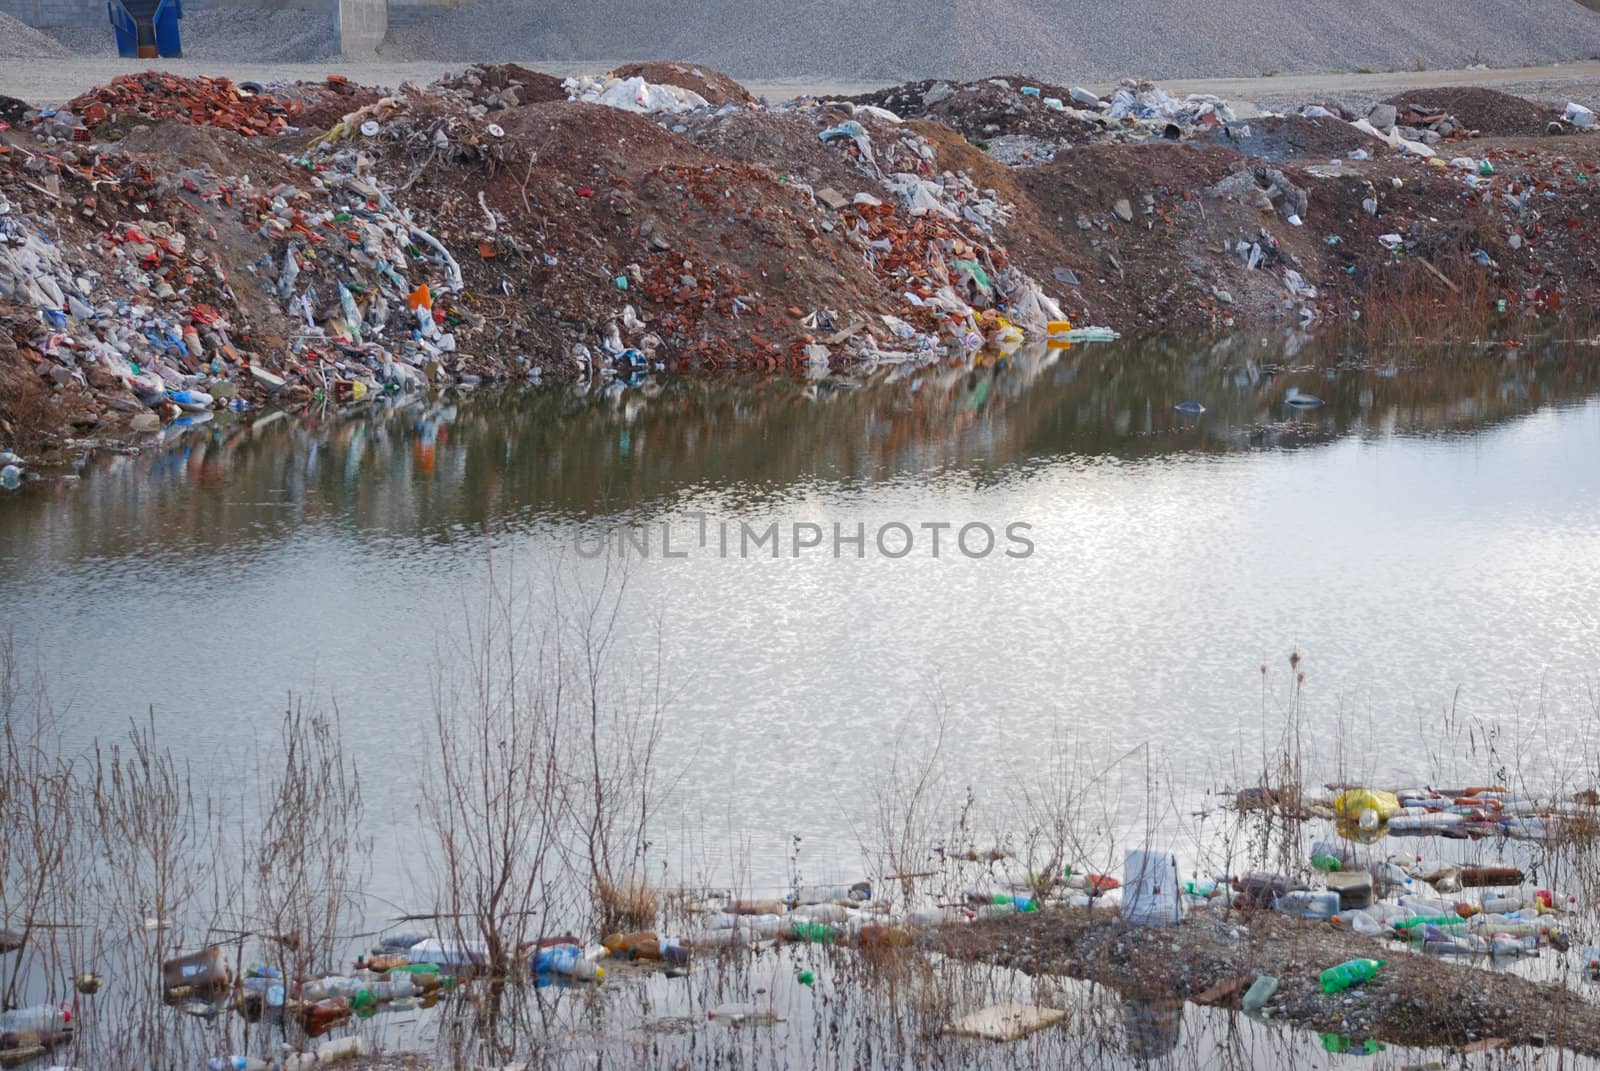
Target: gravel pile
pixel 18 40
pixel 1072 41
pixel 225 35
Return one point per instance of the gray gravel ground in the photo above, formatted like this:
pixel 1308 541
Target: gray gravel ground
pixel 228 35
pixel 18 39
pixel 1058 41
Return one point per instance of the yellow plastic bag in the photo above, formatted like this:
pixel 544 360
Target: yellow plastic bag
pixel 1351 803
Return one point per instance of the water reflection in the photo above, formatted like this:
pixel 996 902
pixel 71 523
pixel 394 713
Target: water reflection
pixel 439 468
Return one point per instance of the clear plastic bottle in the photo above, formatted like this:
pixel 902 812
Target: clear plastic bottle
pixel 1259 993
pixel 739 1012
pixel 40 1019
pixel 238 1063
pixel 1504 947
pixel 1321 904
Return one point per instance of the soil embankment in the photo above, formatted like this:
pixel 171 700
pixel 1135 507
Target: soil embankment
pixel 176 245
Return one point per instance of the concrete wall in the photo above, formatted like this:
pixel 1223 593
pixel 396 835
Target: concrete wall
pixel 362 24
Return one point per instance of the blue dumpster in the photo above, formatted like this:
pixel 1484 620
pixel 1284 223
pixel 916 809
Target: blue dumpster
pixel 146 28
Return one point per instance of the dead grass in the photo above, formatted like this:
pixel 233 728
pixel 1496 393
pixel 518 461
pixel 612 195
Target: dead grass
pixel 626 906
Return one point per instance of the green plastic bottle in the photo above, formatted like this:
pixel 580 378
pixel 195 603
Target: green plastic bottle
pixel 814 933
pixel 1325 862
pixel 1430 920
pixel 1350 972
pixel 415 968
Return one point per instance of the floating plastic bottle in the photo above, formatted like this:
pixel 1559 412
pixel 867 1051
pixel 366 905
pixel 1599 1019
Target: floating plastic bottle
pixel 40 1019
pixel 447 953
pixel 819 933
pixel 1350 972
pixel 568 961
pixel 744 1013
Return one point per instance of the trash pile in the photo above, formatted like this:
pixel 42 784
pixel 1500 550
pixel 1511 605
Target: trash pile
pixel 1151 105
pixel 989 108
pixel 634 95
pixel 169 247
pixel 1024 121
pixel 504 85
pixel 202 101
pixel 1422 899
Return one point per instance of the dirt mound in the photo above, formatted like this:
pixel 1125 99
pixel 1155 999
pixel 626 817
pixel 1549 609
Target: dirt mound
pixel 785 142
pixel 222 151
pixel 1489 112
pixel 1131 271
pixel 717 88
pixel 505 85
pixel 987 108
pixel 1293 137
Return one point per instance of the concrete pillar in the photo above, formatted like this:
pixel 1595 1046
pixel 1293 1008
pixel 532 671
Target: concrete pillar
pixel 362 24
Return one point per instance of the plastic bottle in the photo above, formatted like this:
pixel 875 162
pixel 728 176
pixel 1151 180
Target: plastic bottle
pixel 238 1063
pixel 674 950
pixel 325 1014
pixel 1350 972
pixel 1443 942
pixel 760 926
pixel 1359 922
pixel 625 945
pixel 1504 947
pixel 414 969
pixel 743 1013
pixel 349 1048
pixel 819 933
pixel 204 970
pixel 830 912
pixel 399 942
pixel 1323 904
pixel 831 894
pixel 447 953
pixel 40 1018
pixel 1259 993
pixel 568 961
pixel 1326 863
pixel 271 990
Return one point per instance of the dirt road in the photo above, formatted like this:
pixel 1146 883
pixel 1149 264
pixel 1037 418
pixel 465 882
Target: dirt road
pixel 55 81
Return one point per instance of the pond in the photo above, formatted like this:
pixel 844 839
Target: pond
pixel 807 566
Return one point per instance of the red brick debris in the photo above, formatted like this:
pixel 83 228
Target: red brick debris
pixel 203 101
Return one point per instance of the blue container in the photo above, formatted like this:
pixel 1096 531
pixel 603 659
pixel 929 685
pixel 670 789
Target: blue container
pixel 152 24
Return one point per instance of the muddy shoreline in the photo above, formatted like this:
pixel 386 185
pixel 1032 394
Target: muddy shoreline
pixel 1211 957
